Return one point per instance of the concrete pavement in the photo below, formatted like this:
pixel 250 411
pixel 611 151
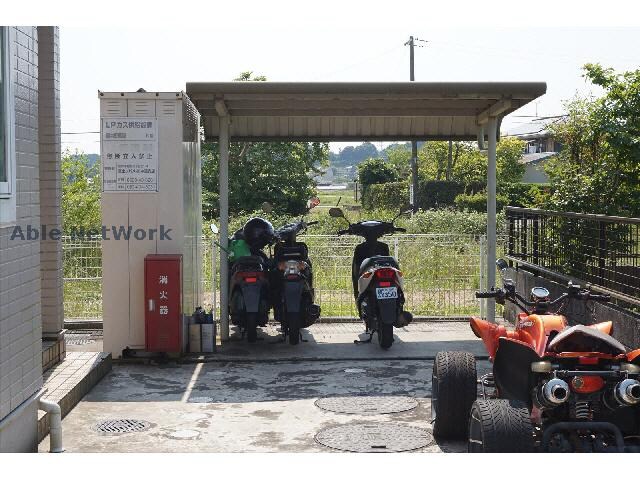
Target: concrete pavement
pixel 260 397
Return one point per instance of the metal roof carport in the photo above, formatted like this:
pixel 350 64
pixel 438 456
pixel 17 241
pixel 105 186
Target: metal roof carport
pixel 399 111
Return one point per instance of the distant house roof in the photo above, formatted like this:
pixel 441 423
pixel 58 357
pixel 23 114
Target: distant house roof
pixel 529 158
pixel 531 130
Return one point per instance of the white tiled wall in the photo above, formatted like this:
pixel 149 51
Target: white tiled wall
pixel 20 278
pixel 23 288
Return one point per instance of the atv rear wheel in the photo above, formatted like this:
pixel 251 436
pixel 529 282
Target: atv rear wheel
pixel 453 391
pixel 500 426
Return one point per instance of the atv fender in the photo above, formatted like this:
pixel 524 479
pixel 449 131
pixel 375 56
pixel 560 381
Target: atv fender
pixel 293 296
pixel 512 370
pixel 488 332
pixel 604 327
pixel 634 356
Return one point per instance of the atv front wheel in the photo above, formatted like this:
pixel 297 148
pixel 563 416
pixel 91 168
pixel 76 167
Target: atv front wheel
pixel 453 391
pixel 500 426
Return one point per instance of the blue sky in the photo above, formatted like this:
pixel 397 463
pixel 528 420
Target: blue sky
pixel 165 58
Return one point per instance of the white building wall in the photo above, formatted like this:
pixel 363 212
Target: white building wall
pixel 20 260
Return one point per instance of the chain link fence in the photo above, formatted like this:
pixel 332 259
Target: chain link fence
pixel 82 274
pixel 441 274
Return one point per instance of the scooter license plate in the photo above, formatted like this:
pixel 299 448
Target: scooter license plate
pixel 384 293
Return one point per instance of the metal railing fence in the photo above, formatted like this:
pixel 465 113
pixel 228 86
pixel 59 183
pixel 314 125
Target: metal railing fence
pixel 601 250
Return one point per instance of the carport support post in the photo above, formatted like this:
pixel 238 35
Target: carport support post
pixel 492 126
pixel 223 145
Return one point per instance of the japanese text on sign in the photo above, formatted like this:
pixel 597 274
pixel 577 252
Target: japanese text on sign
pixel 129 154
pixel 164 280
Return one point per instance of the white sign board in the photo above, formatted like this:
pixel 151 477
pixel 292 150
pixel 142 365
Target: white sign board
pixel 129 154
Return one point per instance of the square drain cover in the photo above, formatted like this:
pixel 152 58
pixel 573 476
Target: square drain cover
pixel 122 425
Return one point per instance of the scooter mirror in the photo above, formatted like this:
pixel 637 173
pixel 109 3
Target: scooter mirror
pixel 313 202
pixel 336 212
pixel 267 207
pixel 214 228
pixel 502 264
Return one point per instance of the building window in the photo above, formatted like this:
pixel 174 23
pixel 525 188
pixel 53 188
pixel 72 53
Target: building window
pixel 4 165
pixel 6 116
pixel 7 136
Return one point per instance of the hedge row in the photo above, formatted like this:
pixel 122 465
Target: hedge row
pixel 388 196
pixel 433 194
pixel 477 202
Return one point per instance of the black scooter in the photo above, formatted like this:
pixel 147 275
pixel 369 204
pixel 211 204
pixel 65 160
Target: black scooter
pixel 377 279
pixel 249 301
pixel 292 282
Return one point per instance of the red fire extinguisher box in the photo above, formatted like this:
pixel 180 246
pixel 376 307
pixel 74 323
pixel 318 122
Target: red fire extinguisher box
pixel 163 303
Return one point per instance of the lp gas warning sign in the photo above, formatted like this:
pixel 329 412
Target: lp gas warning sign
pixel 129 154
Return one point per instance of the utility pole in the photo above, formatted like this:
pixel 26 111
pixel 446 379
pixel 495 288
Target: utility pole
pixel 413 197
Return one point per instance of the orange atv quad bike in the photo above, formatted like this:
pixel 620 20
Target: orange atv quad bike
pixel 553 387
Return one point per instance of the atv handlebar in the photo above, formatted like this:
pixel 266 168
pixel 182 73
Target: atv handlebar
pixel 509 293
pixel 487 294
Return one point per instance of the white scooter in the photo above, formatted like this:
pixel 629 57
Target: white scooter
pixel 377 279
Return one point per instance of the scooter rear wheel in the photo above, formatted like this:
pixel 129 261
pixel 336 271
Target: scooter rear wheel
pixel 252 327
pixel 385 335
pixel 293 322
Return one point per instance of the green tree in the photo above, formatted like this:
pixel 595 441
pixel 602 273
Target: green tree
pixel 509 152
pixel 598 170
pixel 353 155
pixel 375 170
pixel 399 159
pixel 276 172
pixel 464 163
pixel 81 187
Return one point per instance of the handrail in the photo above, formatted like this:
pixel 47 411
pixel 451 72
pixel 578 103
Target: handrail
pixel 588 216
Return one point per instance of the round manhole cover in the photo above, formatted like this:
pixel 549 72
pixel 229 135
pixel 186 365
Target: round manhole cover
pixel 122 425
pixel 367 405
pixel 366 438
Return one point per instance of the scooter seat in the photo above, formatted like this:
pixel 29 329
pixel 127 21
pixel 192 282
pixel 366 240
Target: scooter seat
pixel 378 261
pixel 247 261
